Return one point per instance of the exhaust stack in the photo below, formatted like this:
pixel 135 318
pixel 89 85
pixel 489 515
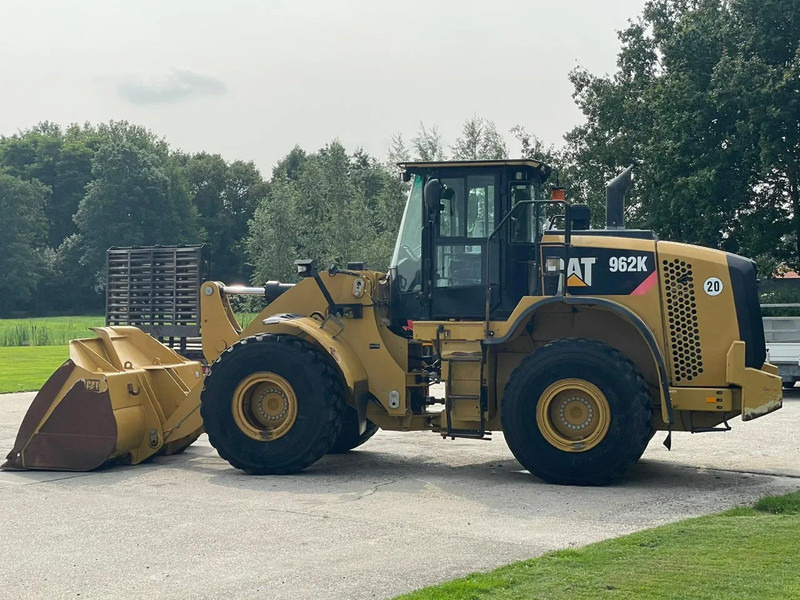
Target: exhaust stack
pixel 615 198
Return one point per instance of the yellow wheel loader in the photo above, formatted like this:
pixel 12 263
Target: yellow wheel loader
pixel 578 344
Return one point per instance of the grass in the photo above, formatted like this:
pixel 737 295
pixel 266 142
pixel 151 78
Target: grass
pixel 25 369
pixel 46 331
pixel 742 553
pixel 57 331
pixel 245 318
pixel 31 349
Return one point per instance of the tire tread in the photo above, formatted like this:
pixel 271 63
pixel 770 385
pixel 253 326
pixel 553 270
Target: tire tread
pixel 330 381
pixel 642 407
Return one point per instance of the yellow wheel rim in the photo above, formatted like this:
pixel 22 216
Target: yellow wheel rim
pixel 264 406
pixel 573 415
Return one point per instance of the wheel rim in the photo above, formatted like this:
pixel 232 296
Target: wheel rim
pixel 573 415
pixel 264 406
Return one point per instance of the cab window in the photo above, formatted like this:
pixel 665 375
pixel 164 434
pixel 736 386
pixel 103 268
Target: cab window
pixel 467 212
pixel 468 207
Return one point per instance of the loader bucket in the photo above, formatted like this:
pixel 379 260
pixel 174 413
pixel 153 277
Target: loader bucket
pixel 121 397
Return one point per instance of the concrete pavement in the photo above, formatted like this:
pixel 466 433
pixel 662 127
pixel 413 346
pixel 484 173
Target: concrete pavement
pixel 403 511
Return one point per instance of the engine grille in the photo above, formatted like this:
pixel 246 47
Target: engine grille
pixel 687 360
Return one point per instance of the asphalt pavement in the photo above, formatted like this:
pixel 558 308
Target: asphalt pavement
pixel 403 511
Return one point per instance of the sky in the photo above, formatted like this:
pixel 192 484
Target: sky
pixel 250 80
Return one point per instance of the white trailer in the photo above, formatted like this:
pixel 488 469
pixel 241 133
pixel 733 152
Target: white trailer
pixel 782 335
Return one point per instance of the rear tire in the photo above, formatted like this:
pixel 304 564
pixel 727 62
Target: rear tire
pixel 272 404
pixel 349 437
pixel 577 412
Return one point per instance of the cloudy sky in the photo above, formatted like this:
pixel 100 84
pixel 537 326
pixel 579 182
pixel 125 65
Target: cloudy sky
pixel 249 80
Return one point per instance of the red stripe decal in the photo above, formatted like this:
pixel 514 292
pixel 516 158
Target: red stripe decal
pixel 645 286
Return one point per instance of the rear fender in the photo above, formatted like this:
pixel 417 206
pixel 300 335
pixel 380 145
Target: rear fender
pixel 667 412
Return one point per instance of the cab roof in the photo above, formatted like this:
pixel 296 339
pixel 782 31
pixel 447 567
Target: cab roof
pixel 471 164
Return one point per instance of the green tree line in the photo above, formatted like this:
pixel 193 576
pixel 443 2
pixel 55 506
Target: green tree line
pixel 706 94
pixel 67 195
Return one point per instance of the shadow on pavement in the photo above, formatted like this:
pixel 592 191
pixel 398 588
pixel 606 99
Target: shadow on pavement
pixel 345 474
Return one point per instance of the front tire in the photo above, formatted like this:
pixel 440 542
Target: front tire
pixel 349 437
pixel 577 412
pixel 272 404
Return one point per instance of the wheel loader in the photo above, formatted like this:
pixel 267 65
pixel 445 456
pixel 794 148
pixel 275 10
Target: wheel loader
pixel 502 311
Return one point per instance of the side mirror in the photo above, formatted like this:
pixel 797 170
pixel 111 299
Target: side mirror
pixel 432 195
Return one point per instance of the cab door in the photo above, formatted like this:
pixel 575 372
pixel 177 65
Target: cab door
pixel 467 217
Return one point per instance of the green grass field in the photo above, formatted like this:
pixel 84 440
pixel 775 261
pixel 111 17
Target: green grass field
pixel 25 369
pixel 57 331
pixel 245 318
pixel 31 349
pixel 743 553
pixel 46 331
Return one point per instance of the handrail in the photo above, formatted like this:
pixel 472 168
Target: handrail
pixel 488 262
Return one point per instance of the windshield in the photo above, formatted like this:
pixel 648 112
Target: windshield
pixel 407 257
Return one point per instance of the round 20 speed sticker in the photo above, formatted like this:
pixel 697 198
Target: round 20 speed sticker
pixel 713 286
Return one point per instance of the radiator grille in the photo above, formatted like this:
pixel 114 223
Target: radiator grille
pixel 687 360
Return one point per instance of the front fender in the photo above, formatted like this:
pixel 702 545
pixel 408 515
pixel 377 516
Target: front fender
pixel 345 357
pixel 324 335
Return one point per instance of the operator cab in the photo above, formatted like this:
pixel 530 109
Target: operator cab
pixel 450 236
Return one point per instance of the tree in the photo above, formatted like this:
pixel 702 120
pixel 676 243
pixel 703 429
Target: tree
pixel 137 197
pixel 61 160
pixel 532 146
pixel 384 196
pixel 428 144
pixel 329 206
pixel 757 88
pixel 479 141
pixel 23 255
pixel 398 151
pixel 706 93
pixel 564 170
pixel 271 245
pixel 225 196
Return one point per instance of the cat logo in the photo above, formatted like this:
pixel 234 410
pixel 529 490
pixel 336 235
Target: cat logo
pixel 579 271
pixel 92 385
